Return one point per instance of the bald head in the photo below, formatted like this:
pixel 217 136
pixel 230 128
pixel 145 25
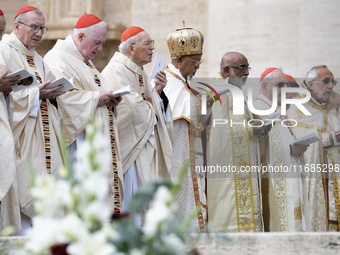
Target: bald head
pixel 231 58
pixel 235 66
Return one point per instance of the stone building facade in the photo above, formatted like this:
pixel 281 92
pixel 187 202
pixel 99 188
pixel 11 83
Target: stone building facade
pixel 293 34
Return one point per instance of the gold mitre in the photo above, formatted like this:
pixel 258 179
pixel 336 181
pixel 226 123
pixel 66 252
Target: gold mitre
pixel 184 42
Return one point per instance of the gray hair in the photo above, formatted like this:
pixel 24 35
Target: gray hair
pixel 124 45
pixel 90 30
pixel 22 17
pixel 312 75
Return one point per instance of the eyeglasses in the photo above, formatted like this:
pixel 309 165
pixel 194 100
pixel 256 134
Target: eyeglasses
pixel 242 68
pixel 35 28
pixel 328 80
pixel 197 62
pixel 147 43
pixel 280 84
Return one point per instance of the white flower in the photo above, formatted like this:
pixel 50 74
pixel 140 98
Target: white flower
pixel 43 234
pixel 97 184
pixel 70 227
pixel 76 210
pixel 63 172
pixel 98 210
pixel 95 244
pixel 100 142
pixel 83 164
pixel 92 198
pixel 137 252
pixel 91 130
pixel 159 211
pixel 51 196
pixel 163 195
pixel 103 155
pixel 96 152
pixel 109 231
pixel 175 243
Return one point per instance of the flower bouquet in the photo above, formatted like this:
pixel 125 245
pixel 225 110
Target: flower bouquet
pixel 74 216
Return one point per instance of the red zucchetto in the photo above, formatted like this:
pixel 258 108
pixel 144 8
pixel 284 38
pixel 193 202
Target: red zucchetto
pixel 87 20
pixel 129 32
pixel 25 9
pixel 290 78
pixel 1 13
pixel 267 71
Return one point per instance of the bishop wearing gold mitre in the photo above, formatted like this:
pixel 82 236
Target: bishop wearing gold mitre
pixel 186 49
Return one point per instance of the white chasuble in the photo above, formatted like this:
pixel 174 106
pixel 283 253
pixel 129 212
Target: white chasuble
pixel 9 200
pixel 78 106
pixel 37 136
pixel 187 146
pixel 288 198
pixel 145 136
pixel 322 185
pixel 234 196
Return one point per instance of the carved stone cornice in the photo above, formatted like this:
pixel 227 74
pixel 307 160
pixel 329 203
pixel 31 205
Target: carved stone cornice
pixel 61 16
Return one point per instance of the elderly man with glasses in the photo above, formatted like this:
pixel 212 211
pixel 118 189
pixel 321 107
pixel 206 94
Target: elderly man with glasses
pixel 144 123
pixel 234 66
pixel 322 158
pixel 287 192
pixel 186 49
pixel 234 199
pixel 35 120
pixel 72 58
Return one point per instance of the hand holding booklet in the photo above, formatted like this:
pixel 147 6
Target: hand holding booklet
pixel 123 91
pixel 308 139
pixel 158 65
pixel 271 118
pixel 26 80
pixel 68 84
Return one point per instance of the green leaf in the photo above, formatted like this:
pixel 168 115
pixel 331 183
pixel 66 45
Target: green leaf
pixel 146 193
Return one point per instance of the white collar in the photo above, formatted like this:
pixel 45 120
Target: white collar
pixel 70 41
pixel 21 42
pixel 176 71
pixel 138 65
pixel 321 104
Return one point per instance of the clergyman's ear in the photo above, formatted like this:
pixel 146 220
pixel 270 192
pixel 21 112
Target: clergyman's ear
pixel 310 85
pixel 130 49
pixel 81 36
pixel 16 25
pixel 226 70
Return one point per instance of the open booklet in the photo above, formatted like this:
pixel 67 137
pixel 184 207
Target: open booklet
pixel 68 84
pixel 274 116
pixel 28 80
pixel 308 139
pixel 158 65
pixel 122 91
